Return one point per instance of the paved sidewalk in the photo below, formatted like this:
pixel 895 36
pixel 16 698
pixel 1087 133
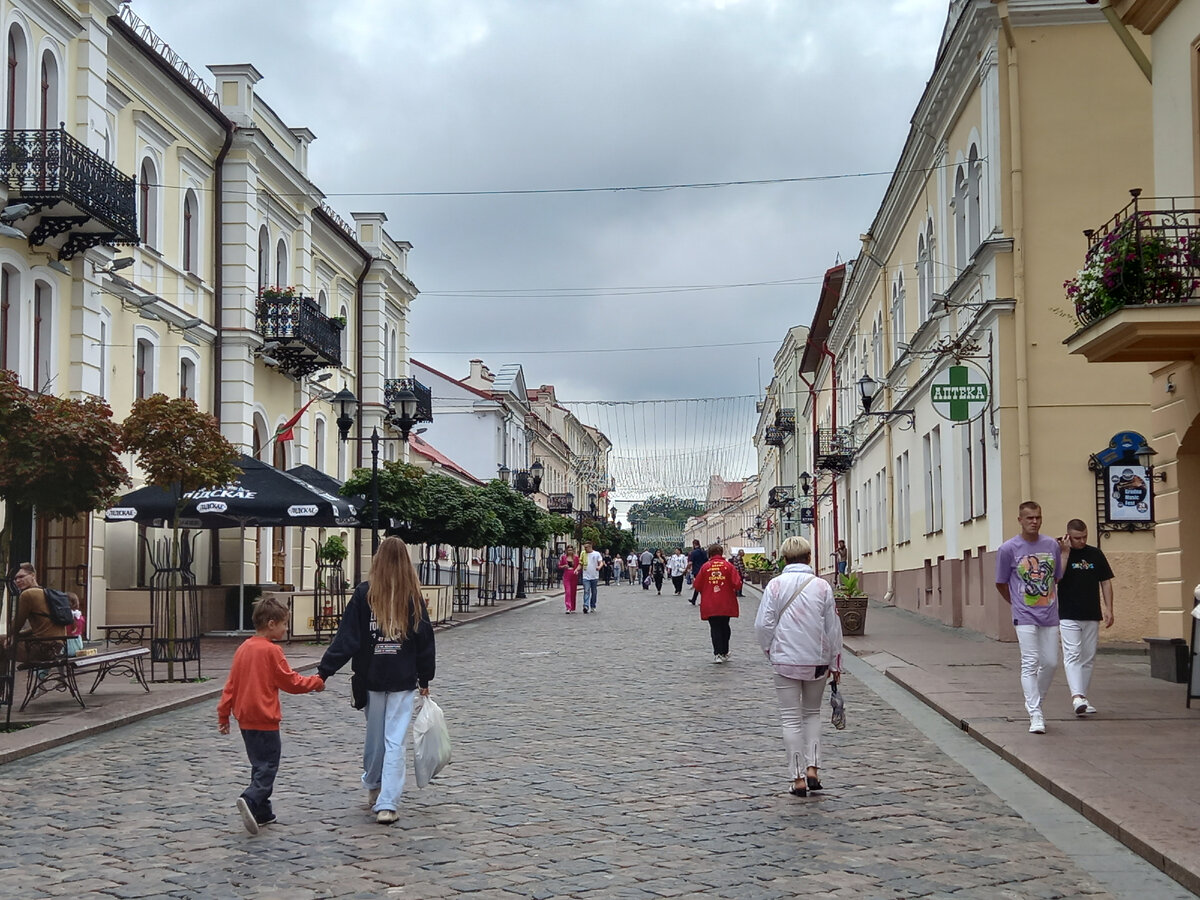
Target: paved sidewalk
pixel 57 719
pixel 1130 768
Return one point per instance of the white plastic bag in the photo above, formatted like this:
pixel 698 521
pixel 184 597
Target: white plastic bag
pixel 431 742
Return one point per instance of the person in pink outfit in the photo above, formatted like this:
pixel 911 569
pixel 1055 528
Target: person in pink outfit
pixel 568 564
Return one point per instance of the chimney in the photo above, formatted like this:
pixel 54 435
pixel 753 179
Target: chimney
pixel 235 90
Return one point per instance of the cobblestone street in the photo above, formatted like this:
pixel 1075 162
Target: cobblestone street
pixel 595 756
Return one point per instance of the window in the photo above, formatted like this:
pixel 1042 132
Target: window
pixel 18 67
pixel 48 93
pixel 282 276
pixel 144 371
pixel 105 339
pixel 978 437
pixel 924 288
pixel 191 231
pixel 974 209
pixel 899 336
pixel 345 336
pixel 187 378
pixel 42 335
pixel 881 531
pixel 936 475
pixel 960 218
pixel 927 457
pixel 877 348
pixel 323 302
pixel 868 519
pixel 318 461
pixel 903 499
pixel 264 257
pixel 8 320
pixel 148 203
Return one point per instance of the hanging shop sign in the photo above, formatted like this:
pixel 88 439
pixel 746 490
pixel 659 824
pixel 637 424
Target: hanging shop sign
pixel 960 392
pixel 807 516
pixel 1129 497
pixel 1124 484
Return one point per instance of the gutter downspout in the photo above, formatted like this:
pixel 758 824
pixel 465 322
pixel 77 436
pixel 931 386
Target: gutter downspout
pixel 825 351
pixel 816 531
pixel 214 553
pixel 358 368
pixel 1135 50
pixel 1020 323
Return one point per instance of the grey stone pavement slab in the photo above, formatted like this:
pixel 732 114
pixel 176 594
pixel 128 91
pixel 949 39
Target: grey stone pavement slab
pixel 599 756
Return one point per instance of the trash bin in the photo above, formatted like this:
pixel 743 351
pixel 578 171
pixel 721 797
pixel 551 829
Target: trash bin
pixel 1169 659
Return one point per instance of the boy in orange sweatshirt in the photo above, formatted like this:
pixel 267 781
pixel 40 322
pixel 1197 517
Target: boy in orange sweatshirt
pixel 259 671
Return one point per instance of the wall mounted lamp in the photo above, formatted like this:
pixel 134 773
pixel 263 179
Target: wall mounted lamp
pixel 868 387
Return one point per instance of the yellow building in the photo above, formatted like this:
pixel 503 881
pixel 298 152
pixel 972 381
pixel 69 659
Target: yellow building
pixel 139 238
pixel 1151 321
pixel 950 322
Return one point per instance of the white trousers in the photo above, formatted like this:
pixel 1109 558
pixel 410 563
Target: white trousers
pixel 1039 659
pixel 1079 638
pixel 800 715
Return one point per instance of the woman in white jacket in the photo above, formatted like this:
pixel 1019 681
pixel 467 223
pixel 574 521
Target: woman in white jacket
pixel 798 629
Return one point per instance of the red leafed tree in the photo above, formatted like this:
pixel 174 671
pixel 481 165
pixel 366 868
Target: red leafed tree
pixel 57 456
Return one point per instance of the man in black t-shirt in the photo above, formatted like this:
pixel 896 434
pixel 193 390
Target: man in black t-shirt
pixel 697 558
pixel 1084 598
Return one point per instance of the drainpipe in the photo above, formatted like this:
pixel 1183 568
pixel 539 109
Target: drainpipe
pixel 816 532
pixel 1135 50
pixel 358 368
pixel 825 351
pixel 214 548
pixel 1020 322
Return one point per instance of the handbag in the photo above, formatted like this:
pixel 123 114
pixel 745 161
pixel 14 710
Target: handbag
pixel 431 742
pixel 838 717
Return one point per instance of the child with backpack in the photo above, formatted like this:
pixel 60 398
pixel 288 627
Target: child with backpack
pixel 258 673
pixel 78 626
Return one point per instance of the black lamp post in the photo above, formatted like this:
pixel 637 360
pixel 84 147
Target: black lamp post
pixel 504 472
pixel 374 490
pixel 805 483
pixel 868 387
pixel 524 482
pixel 406 418
pixel 348 409
pixel 537 470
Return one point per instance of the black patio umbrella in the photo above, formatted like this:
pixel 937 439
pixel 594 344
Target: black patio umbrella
pixel 322 482
pixel 261 496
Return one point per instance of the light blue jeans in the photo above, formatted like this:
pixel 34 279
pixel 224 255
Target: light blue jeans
pixel 388 716
pixel 590 589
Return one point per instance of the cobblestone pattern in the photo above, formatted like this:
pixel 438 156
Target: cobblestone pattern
pixel 599 756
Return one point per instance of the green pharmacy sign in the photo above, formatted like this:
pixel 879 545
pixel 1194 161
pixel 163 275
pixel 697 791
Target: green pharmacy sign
pixel 960 393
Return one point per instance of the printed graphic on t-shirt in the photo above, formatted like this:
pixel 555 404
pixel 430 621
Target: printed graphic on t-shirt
pixel 1082 565
pixel 1036 571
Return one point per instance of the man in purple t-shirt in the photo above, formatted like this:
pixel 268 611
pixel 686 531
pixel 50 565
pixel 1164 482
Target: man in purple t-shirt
pixel 1027 573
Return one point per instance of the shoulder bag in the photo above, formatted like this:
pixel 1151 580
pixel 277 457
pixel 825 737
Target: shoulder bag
pixel 796 593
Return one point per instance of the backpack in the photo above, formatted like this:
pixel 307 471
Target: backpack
pixel 58 607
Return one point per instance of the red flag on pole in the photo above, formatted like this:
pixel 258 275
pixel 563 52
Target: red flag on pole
pixel 284 432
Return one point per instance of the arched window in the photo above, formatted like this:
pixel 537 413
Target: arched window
pixel 345 337
pixel 18 73
pixel 323 302
pixel 260 436
pixel 974 190
pixel 105 339
pixel 9 314
pixel 899 335
pixel 143 385
pixel 925 251
pixel 960 219
pixel 318 460
pixel 187 378
pixel 264 257
pixel 43 335
pixel 191 232
pixel 877 348
pixel 48 92
pixel 282 278
pixel 148 203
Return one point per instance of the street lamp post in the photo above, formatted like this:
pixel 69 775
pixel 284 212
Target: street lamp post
pixel 374 490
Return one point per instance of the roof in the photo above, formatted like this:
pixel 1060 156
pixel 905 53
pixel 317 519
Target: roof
pixel 445 377
pixel 427 450
pixel 831 293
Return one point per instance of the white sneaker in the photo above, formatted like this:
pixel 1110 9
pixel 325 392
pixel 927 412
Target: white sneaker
pixel 1090 709
pixel 247 814
pixel 1037 723
pixel 386 816
pixel 1079 705
pixel 718 658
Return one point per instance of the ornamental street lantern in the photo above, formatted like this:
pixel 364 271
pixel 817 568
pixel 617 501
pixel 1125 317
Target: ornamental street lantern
pixel 348 409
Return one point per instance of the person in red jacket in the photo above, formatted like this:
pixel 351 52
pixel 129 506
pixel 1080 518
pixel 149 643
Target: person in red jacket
pixel 258 673
pixel 718 583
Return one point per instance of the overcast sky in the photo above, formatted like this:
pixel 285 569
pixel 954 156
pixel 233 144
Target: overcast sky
pixel 504 95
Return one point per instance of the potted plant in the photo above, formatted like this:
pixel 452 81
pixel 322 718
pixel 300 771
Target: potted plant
pixel 851 603
pixel 334 550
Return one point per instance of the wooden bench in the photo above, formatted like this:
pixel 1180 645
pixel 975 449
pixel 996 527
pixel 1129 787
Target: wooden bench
pixel 49 668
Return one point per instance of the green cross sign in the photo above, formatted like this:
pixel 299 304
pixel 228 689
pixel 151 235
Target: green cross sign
pixel 956 397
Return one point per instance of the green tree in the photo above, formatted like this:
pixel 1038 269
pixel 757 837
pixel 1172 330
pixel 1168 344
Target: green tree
pixel 181 449
pixel 457 514
pixel 401 496
pixel 58 456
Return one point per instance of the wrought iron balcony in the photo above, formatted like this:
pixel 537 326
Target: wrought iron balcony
pixel 1148 254
pixel 773 436
pixel 780 497
pixel 560 503
pixel 785 420
pixel 835 449
pixel 391 393
pixel 304 338
pixel 71 190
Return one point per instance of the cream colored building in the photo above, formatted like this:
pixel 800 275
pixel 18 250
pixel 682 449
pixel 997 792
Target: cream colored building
pixel 1158 335
pixel 180 198
pixel 1012 153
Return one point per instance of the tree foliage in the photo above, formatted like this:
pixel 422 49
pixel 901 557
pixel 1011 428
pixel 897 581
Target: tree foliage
pixel 58 455
pixel 663 511
pixel 177 443
pixel 400 495
pixel 457 514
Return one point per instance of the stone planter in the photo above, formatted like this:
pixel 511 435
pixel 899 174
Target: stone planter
pixel 852 611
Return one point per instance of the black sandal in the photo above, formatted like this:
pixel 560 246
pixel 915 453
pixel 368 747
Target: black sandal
pixel 798 791
pixel 814 783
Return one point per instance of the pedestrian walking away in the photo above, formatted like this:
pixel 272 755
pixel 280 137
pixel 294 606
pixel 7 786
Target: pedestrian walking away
pixel 1027 572
pixel 258 673
pixel 631 566
pixel 739 562
pixel 696 560
pixel 386 636
pixel 591 560
pixel 676 567
pixel 1085 598
pixel 568 567
pixel 658 568
pixel 606 567
pixel 799 631
pixel 718 582
pixel 645 560
pixel 618 567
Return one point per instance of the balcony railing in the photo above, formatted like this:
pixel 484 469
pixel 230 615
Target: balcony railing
pixel 773 436
pixel 785 420
pixel 391 393
pixel 834 449
pixel 1148 254
pixel 71 188
pixel 780 497
pixel 305 338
